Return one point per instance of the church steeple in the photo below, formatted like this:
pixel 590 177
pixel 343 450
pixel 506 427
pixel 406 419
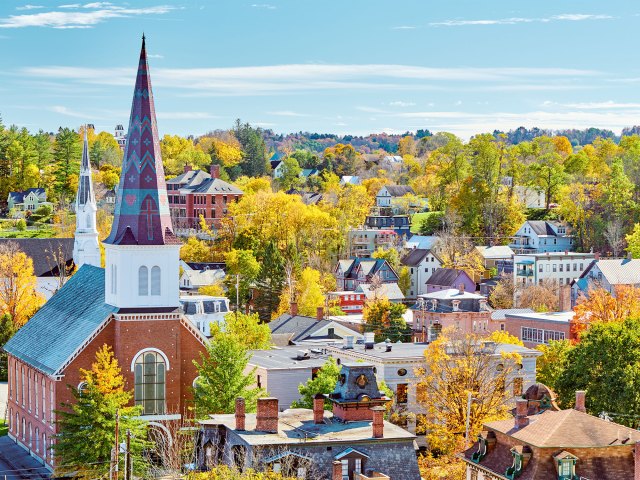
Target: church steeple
pixel 141 215
pixel 141 252
pixel 85 246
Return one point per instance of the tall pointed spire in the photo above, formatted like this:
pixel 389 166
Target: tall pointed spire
pixel 85 246
pixel 141 215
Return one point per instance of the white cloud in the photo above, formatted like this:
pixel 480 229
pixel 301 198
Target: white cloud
pixel 150 55
pixel 400 103
pixel 74 19
pixel 69 113
pixel 288 113
pixel 184 115
pixel 29 7
pixel 404 27
pixel 571 17
pixel 312 77
pixel 266 6
pixel 594 105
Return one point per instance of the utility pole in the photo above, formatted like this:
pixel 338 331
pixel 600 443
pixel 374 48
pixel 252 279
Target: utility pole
pixel 127 458
pixel 466 432
pixel 117 447
pixel 237 293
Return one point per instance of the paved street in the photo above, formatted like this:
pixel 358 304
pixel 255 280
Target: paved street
pixel 16 463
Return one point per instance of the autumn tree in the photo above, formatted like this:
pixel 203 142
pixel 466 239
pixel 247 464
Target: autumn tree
pixel 309 292
pixel 246 329
pixel 178 152
pixel 459 364
pixel 195 250
pixel 404 280
pixel 552 362
pixel 601 306
pixel 223 376
pixel 87 425
pixel 242 270
pixel 606 363
pixel 501 296
pixel 391 255
pixel 633 241
pixel 270 281
pixel 385 319
pixel 19 298
pixel 541 298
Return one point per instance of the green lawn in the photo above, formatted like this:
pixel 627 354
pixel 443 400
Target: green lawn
pixel 46 232
pixel 3 428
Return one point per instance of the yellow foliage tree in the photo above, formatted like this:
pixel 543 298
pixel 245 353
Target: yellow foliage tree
pixel 18 296
pixel 309 292
pixel 501 336
pixel 601 306
pixel 214 290
pixel 195 250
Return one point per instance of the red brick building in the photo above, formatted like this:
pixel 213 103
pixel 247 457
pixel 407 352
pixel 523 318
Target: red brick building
pixel 132 305
pixel 196 193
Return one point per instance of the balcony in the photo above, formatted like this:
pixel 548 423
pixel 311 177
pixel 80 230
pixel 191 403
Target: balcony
pixel 524 273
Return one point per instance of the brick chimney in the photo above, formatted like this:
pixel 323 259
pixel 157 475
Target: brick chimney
pixel 564 303
pixel 336 471
pixel 215 171
pixel 320 313
pixel 267 415
pixel 293 308
pixel 240 413
pixel 318 408
pixel 461 288
pixel 522 407
pixel 378 422
pixel 636 458
pixel 580 401
pixel 187 168
pixel 596 255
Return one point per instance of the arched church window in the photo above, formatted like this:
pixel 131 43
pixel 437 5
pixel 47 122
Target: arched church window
pixel 143 281
pixel 88 221
pixel 150 381
pixel 155 280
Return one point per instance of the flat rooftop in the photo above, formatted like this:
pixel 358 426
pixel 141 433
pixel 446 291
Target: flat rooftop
pixel 552 317
pixel 296 425
pixel 286 358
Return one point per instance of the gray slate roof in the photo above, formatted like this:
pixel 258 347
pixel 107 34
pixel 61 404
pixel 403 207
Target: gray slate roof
pixel 414 257
pixel 63 324
pixel 620 271
pixel 399 190
pixel 43 252
pixel 445 277
pixel 299 326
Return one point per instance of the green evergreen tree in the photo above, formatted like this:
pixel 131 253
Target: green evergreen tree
pixel 67 153
pixel 270 281
pixel 222 377
pixel 87 426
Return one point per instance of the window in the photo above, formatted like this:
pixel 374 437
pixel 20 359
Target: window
pixel 143 281
pixel 43 399
pixel 35 393
pixel 37 440
pixel 537 335
pixel 358 468
pixel 401 394
pixel 575 267
pixel 22 385
pixel 155 281
pixel 540 268
pixel 52 414
pixel 29 389
pixel 149 379
pixel 555 267
pixel 345 469
pixel 581 267
pixel 114 278
pixel 565 468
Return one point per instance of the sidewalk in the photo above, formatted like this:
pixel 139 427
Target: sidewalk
pixel 17 462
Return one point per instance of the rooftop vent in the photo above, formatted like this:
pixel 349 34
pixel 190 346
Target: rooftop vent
pixel 303 355
pixel 369 340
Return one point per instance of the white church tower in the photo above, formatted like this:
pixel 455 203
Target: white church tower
pixel 86 248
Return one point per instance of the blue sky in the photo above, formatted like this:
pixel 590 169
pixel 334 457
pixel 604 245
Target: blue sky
pixel 339 66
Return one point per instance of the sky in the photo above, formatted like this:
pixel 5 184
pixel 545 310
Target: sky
pixel 330 66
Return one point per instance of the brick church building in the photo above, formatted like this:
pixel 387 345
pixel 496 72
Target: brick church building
pixel 131 305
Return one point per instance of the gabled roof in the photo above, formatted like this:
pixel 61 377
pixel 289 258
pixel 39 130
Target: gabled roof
pixel 18 197
pixel 544 228
pixel 64 323
pixel 200 278
pixel 215 185
pixel 503 312
pixel 620 271
pixel 388 290
pixel 299 326
pixel 275 163
pixel 496 251
pixel 422 241
pixel 415 257
pixel 398 190
pixel 192 177
pixel 44 252
pixel 446 277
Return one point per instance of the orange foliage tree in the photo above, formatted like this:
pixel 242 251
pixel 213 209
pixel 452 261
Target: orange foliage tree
pixel 602 306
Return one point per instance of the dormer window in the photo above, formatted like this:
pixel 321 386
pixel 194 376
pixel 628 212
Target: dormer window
pixel 566 465
pixel 521 455
pixel 456 305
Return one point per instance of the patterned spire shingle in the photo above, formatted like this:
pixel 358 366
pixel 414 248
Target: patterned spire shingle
pixel 141 215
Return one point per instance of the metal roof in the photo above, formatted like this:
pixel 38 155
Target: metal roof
pixel 64 323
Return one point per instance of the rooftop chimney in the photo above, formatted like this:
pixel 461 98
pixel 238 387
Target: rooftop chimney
pixel 378 422
pixel 596 255
pixel 461 288
pixel 522 407
pixel 564 304
pixel 336 471
pixel 187 168
pixel 580 401
pixel 267 415
pixel 293 309
pixel 318 408
pixel 240 413
pixel 636 458
pixel 320 313
pixel 215 171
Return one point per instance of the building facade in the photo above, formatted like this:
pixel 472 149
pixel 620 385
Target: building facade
pixel 561 268
pixel 422 263
pixel 28 200
pixel 539 236
pixel 196 193
pixel 356 271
